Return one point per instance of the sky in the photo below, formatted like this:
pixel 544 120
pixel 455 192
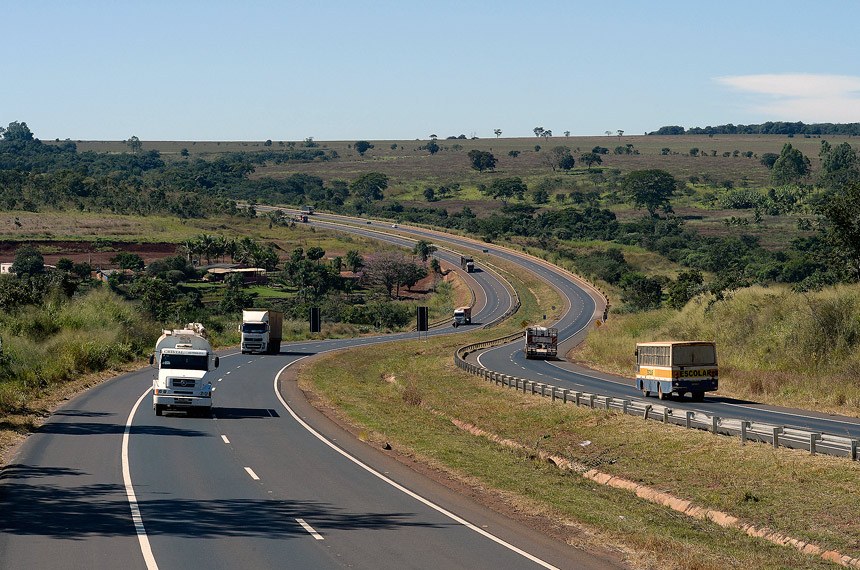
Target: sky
pixel 380 70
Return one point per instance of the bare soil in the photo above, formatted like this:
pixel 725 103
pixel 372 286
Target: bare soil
pixel 97 254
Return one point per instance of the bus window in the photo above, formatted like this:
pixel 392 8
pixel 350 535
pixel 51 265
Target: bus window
pixel 694 355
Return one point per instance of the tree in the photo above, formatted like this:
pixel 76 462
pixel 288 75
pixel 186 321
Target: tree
pixel 432 147
pixel 538 131
pixel 506 188
pixel 28 261
pixel 559 158
pixel 839 166
pixel 17 132
pixel 791 166
pixel 590 158
pixel 620 133
pixel 424 250
pixel 354 261
pixel 768 159
pixel 391 270
pixel 482 160
pixel 688 285
pixel 841 212
pixel 134 144
pixel 234 299
pixel 639 292
pixel 546 134
pixel 650 189
pixel 362 147
pixel 566 133
pixel 369 186
pixel 498 132
pixel 128 260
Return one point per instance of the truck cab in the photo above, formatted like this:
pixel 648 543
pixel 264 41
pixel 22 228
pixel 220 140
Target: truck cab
pixel 462 316
pixel 184 358
pixel 261 331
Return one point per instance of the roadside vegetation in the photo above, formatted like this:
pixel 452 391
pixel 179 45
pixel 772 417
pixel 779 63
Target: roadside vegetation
pixel 408 395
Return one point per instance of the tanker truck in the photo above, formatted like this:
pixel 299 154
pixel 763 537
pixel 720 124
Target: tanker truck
pixel 184 359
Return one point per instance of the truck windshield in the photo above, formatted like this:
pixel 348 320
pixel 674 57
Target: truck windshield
pixel 254 327
pixel 185 362
pixel 695 355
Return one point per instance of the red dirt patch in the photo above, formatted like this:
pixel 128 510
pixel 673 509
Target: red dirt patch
pixel 97 254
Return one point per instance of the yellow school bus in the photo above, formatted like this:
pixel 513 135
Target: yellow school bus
pixel 676 367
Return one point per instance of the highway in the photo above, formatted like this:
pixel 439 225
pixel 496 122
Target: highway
pixel 267 483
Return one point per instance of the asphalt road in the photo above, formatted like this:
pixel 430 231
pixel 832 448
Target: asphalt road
pixel 267 483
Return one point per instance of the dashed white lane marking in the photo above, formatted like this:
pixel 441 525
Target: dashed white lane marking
pixel 310 529
pixel 227 441
pixel 229 372
pixel 252 474
pixel 398 486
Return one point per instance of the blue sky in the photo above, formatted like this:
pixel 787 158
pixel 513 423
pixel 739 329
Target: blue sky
pixel 337 70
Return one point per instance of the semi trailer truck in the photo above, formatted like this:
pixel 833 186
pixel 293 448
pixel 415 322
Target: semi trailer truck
pixel 184 358
pixel 467 263
pixel 462 316
pixel 262 331
pixel 541 342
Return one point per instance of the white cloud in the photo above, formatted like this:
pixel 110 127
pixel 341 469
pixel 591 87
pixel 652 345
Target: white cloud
pixel 801 96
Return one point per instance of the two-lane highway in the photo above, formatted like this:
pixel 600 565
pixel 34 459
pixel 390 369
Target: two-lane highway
pixel 268 482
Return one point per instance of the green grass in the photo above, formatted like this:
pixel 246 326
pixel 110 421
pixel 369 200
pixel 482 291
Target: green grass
pixel 405 395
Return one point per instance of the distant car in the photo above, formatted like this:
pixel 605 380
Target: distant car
pixel 393 225
pixel 484 250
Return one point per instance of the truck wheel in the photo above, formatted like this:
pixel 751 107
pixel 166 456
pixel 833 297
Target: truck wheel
pixel 159 409
pixel 660 394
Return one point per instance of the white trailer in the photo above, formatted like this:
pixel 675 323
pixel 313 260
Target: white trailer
pixel 184 359
pixel 262 331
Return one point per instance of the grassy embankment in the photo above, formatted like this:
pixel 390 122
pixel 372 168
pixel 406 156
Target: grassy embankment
pixel 410 402
pixel 774 345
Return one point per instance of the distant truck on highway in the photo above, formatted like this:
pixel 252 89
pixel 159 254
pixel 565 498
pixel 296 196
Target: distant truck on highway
pixel 309 210
pixel 262 331
pixel 301 218
pixel 467 263
pixel 184 357
pixel 462 316
pixel 541 342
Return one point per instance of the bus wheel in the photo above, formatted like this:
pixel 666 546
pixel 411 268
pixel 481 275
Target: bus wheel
pixel 660 394
pixel 645 393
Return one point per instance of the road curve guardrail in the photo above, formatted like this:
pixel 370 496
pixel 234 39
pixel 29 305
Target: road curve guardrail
pixel 776 435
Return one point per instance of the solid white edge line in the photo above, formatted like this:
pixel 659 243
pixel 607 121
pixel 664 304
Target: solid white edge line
pixel 397 485
pixel 142 538
pixel 310 529
pixel 224 438
pixel 252 474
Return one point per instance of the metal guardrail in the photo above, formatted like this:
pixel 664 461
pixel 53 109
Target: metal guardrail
pixel 776 435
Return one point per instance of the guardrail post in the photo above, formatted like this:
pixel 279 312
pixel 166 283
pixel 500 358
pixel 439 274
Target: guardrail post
pixel 577 394
pixel 564 394
pixel 776 432
pixel 543 390
pixel 690 419
pixel 853 450
pixel 647 409
pixel 744 427
pixel 591 401
pixel 813 437
pixel 666 412
pixel 608 402
pixel 624 404
pixel 715 421
pixel 553 394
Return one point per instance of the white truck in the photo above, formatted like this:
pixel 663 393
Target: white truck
pixel 541 342
pixel 184 358
pixel 262 331
pixel 462 316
